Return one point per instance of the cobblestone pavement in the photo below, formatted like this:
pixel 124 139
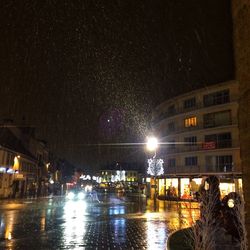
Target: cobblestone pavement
pixel 114 223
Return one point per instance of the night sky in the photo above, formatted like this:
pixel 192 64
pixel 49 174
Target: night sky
pixel 89 72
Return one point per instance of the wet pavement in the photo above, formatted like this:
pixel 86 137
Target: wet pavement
pixel 114 223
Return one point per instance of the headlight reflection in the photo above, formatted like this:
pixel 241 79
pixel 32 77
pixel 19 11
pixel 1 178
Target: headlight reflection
pixel 71 195
pixel 74 226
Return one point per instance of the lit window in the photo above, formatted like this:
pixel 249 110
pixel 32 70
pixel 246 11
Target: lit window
pixel 190 122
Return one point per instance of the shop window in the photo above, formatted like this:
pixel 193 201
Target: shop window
pixel 190 122
pixel 189 103
pixel 191 161
pixel 226 188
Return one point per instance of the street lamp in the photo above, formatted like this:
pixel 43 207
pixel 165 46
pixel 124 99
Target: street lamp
pixel 155 166
pixel 152 144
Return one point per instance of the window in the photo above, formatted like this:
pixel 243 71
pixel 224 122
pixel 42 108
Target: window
pixel 217 119
pixel 222 140
pixel 216 98
pixel 190 122
pixel 1 180
pixel 171 127
pixel 224 163
pixel 210 163
pixel 171 162
pixel 219 163
pixel 191 161
pixel 171 143
pixel 190 103
pixel 190 141
pixel 171 110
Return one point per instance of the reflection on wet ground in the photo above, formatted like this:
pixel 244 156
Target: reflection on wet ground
pixel 114 223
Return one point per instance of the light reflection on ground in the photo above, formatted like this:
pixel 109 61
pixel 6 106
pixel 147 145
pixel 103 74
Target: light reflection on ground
pixel 74 225
pixel 64 224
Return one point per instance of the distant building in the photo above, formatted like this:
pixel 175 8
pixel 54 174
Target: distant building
pixel 23 160
pixel 200 129
pixel 129 176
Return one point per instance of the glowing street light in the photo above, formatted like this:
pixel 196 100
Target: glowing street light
pixel 155 166
pixel 152 143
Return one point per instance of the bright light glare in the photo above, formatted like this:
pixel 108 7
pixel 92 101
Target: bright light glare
pixel 81 195
pixel 152 143
pixel 88 188
pixel 71 195
pixel 75 223
pixel 230 203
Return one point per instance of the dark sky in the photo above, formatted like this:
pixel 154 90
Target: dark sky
pixel 87 72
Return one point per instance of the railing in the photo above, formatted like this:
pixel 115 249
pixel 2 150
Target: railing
pixel 198 169
pixel 202 146
pixel 182 129
pixel 181 110
pixel 182 169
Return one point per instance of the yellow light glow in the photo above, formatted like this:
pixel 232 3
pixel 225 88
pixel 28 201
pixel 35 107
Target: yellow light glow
pixel 191 122
pixel 197 180
pixel 226 188
pixel 16 163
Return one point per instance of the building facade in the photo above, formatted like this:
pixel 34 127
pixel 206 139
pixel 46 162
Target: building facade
pixel 128 176
pixel 23 161
pixel 199 136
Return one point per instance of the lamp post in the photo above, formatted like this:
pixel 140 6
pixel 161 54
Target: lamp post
pixel 155 166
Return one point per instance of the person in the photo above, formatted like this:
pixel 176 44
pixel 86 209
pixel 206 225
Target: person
pixel 168 192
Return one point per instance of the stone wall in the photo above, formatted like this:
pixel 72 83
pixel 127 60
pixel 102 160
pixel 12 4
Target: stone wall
pixel 241 36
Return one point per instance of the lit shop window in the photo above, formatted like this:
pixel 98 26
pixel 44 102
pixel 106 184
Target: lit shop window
pixel 191 122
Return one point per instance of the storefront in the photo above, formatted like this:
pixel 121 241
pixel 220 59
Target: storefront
pixel 168 187
pixel 230 185
pixel 188 188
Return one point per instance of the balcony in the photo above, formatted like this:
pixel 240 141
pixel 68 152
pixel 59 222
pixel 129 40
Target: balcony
pixel 203 146
pixel 200 126
pixel 181 110
pixel 182 170
pixel 186 170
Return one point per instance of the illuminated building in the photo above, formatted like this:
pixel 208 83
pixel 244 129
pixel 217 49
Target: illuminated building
pixel 22 162
pixel 200 137
pixel 129 176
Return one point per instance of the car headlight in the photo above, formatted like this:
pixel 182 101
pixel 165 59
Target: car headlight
pixel 81 195
pixel 71 195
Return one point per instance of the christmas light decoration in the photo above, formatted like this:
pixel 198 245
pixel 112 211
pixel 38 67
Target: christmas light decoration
pixel 155 167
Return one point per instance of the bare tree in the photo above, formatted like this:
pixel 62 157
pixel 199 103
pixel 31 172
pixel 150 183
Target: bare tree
pixel 203 234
